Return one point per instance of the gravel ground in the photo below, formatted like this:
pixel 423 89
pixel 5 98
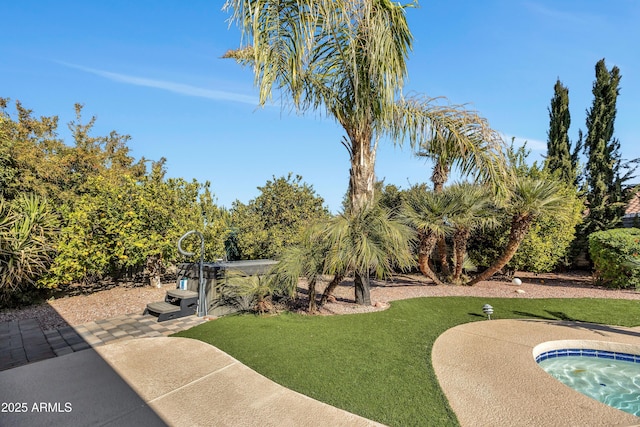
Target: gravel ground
pixel 567 285
pixel 80 309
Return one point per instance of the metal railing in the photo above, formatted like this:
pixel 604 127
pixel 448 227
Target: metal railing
pixel 202 300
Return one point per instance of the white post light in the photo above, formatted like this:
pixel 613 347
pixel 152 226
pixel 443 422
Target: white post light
pixel 488 310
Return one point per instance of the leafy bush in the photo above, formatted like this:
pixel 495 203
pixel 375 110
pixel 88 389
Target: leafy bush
pixel 616 257
pixel 128 224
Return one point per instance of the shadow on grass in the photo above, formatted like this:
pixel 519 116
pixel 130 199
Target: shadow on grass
pixel 556 315
pixel 477 315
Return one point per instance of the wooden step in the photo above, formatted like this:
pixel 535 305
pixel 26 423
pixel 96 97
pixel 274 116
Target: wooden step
pixel 182 293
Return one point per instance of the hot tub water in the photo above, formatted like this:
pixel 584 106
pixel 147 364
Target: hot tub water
pixel 613 379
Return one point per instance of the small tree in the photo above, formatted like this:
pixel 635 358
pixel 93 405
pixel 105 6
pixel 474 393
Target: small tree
pixel 550 235
pixel 560 158
pixel 306 259
pixel 276 218
pixel 474 209
pixel 427 212
pixel 528 200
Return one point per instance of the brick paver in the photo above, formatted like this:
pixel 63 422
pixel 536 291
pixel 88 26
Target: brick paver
pixel 23 341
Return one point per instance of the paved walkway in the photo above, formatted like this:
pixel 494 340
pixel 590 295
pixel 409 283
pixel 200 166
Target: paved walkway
pixel 178 382
pixel 23 341
pixel 98 374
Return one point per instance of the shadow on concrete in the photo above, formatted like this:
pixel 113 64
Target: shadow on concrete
pixel 553 315
pixel 24 341
pixel 78 389
pixel 567 321
pixel 54 378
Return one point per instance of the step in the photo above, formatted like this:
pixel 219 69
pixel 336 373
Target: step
pixel 162 307
pixel 182 293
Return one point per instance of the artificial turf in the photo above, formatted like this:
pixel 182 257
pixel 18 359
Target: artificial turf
pixel 378 365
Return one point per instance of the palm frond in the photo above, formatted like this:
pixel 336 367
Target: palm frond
pixel 535 196
pixel 348 56
pixel 428 212
pixel 456 135
pixel 368 240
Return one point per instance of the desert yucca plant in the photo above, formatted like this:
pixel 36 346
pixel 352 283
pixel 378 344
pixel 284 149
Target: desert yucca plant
pixel 28 228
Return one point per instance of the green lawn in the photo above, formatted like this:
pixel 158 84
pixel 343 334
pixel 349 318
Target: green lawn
pixel 378 365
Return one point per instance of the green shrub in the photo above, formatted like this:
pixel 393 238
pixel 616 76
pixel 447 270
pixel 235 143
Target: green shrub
pixel 129 224
pixel 616 257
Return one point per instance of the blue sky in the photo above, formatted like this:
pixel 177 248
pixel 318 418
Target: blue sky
pixel 152 70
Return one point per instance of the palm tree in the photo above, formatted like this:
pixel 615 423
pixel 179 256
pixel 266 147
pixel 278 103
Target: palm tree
pixel 368 241
pixel 473 209
pixel 348 59
pixel 485 162
pixel 427 212
pixel 529 198
pixel 306 259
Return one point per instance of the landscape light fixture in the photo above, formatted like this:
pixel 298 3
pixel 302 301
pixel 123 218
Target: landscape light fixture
pixel 488 310
pixel 516 281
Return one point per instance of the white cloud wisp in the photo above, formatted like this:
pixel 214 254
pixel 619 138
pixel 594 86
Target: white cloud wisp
pixel 179 88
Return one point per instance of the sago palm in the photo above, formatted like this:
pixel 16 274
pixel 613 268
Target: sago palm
pixel 347 59
pixel 528 199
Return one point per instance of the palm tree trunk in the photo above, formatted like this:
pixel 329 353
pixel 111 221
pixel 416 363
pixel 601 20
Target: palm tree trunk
pixel 460 238
pixel 520 225
pixel 439 177
pixel 427 243
pixel 312 296
pixel 362 173
pixel 362 288
pixel 442 257
pixel 328 291
pixel 361 193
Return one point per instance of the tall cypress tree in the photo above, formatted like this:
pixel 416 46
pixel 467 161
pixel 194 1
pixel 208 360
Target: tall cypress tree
pixel 559 159
pixel 603 157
